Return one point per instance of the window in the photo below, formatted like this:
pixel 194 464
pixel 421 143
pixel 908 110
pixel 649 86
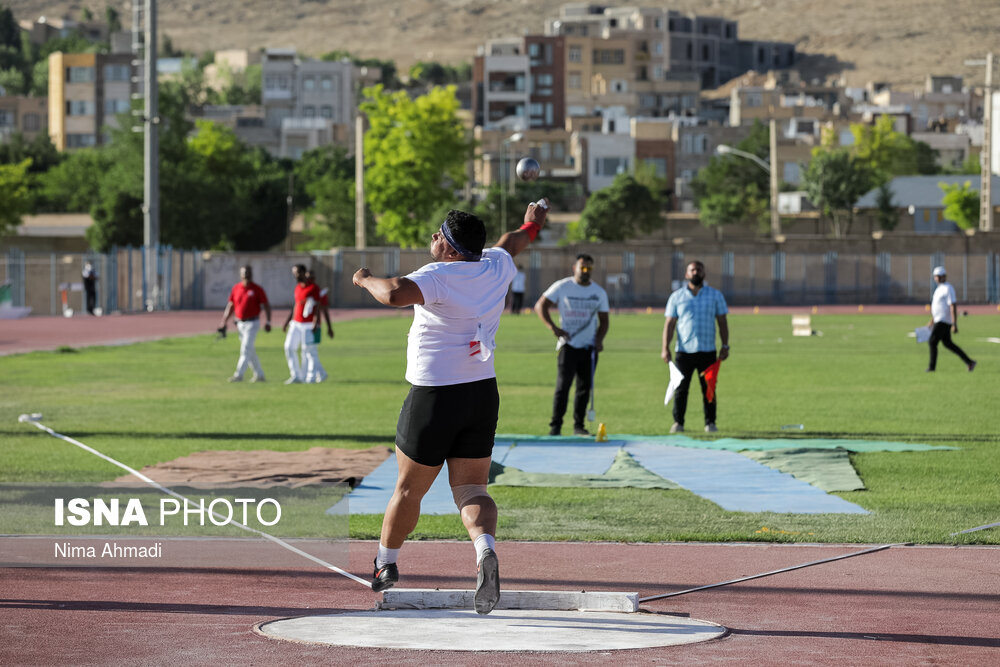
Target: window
pixel 326 111
pixel 6 118
pixel 284 82
pixel 80 140
pixel 271 82
pixel 659 164
pixel 309 83
pixel 309 111
pixel 534 49
pixel 846 138
pixel 791 173
pixel 689 51
pixel 573 81
pixel 754 100
pixel 575 54
pixel 79 108
pixel 658 48
pixel 706 52
pixel 537 109
pixel 79 74
pixel 549 113
pixel 558 151
pixel 657 72
pixel 609 56
pixel 112 106
pixel 116 73
pixel 610 166
pixel 31 122
pixel 326 83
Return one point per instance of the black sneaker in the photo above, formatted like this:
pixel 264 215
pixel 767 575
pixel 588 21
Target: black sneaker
pixel 555 430
pixel 385 577
pixel 488 583
pixel 579 430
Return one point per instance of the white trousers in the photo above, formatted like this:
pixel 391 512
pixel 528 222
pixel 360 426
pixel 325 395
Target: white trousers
pixel 248 351
pixel 300 337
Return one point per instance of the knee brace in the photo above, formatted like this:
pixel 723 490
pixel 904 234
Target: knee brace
pixel 465 493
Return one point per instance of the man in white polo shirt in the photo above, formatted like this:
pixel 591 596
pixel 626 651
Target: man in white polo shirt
pixel 451 411
pixel 944 320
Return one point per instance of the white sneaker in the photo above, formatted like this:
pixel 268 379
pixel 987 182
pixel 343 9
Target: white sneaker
pixel 258 378
pixel 293 381
pixel 676 428
pixel 234 378
pixel 710 428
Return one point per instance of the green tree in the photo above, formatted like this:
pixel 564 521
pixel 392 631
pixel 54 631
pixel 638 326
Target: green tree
pixel 237 87
pixel 113 18
pixel 889 153
pixel 621 211
pixel 834 180
pixel 961 204
pixel 74 184
pixel 732 189
pixel 325 181
pixel 885 208
pixel 15 195
pixel 415 156
pixel 39 150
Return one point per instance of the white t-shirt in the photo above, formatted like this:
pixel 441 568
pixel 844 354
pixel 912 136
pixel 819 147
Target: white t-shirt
pixel 517 285
pixel 578 307
pixel 941 302
pixel 453 334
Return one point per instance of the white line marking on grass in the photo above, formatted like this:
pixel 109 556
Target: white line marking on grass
pixel 35 418
pixel 972 530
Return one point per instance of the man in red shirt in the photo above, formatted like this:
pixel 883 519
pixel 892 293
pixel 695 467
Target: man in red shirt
pixel 245 302
pixel 303 327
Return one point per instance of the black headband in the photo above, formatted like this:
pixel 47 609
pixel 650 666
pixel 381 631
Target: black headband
pixel 459 248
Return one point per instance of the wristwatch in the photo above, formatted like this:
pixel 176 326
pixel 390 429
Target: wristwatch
pixel 725 347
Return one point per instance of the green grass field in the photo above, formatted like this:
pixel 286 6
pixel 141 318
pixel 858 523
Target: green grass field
pixel 863 378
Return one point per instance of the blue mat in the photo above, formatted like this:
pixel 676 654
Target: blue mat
pixel 372 495
pixel 573 457
pixel 736 483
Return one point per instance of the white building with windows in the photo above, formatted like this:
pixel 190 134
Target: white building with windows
pixel 307 103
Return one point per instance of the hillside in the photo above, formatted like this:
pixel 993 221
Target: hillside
pixel 899 41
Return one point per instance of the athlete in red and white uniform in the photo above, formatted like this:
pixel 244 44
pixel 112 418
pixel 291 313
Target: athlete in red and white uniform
pixel 302 327
pixel 246 300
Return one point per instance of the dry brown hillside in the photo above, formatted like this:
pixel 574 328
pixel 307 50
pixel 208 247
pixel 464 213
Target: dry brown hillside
pixel 885 40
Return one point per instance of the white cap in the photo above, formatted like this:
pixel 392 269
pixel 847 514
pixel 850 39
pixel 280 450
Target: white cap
pixel 939 271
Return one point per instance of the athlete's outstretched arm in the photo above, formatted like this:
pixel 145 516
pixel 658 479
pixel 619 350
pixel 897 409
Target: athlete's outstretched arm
pixel 398 292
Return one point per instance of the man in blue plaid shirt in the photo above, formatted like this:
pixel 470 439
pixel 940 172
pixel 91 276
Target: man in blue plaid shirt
pixel 692 312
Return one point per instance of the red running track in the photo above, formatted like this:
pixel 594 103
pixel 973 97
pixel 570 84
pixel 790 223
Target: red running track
pixel 48 333
pixel 901 606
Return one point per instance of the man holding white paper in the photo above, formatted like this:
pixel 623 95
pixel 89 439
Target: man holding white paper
pixel 693 312
pixel 944 320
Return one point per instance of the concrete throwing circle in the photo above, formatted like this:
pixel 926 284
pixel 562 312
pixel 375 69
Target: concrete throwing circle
pixel 502 630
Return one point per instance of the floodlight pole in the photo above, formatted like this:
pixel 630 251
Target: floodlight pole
pixel 771 167
pixel 986 156
pixel 360 237
pixel 151 162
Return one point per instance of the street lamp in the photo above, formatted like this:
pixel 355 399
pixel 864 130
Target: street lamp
pixel 771 169
pixel 504 177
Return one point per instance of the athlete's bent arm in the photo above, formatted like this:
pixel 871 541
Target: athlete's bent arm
pixel 516 241
pixel 397 292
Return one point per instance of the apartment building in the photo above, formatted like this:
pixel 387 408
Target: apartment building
pixel 706 45
pixel 500 90
pixel 27 115
pixel 87 91
pixel 307 103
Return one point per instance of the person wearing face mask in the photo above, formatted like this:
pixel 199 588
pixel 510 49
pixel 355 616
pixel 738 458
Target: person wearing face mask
pixel 693 311
pixel 583 324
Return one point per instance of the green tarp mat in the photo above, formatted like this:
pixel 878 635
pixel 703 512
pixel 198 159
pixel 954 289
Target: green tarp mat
pixel 827 469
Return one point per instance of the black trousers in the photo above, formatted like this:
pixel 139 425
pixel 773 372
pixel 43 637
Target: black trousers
pixel 941 333
pixel 574 362
pixel 516 302
pixel 91 299
pixel 692 363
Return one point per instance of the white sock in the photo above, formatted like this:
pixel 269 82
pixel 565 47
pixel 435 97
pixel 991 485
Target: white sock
pixel 482 543
pixel 385 556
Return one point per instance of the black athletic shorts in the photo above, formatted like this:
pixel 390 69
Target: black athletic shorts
pixel 458 420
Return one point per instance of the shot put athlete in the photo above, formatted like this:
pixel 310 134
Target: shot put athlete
pixel 450 413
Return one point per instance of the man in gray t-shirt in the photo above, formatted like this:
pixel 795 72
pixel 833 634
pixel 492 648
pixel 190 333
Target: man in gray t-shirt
pixel 583 323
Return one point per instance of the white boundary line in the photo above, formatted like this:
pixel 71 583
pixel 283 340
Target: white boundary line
pixel 35 420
